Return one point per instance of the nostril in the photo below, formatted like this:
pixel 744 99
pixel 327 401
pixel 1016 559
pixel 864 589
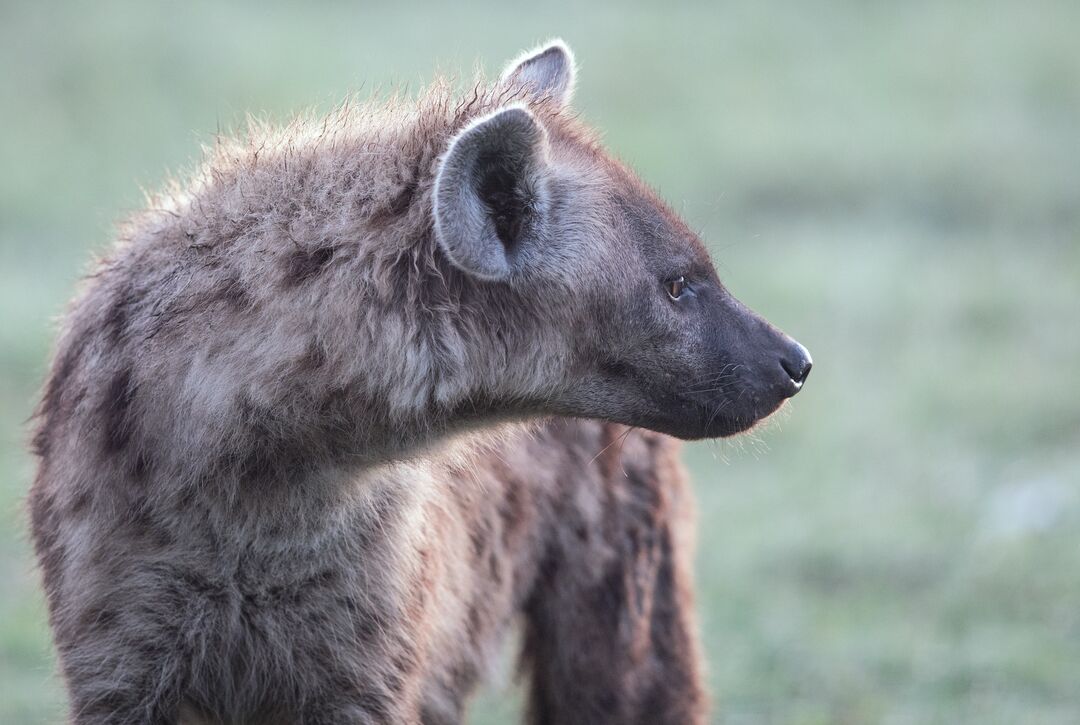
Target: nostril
pixel 798 365
pixel 802 374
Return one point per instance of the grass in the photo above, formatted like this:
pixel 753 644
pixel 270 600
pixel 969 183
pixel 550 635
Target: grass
pixel 898 185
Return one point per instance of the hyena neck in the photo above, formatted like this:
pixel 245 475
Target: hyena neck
pixel 361 379
pixel 286 313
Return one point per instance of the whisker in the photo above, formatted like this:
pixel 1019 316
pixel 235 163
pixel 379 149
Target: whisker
pixel 609 445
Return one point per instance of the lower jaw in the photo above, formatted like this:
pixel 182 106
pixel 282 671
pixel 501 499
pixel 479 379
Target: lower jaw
pixel 716 426
pixel 702 431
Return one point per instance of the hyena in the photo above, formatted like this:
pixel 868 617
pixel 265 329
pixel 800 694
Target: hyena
pixel 368 390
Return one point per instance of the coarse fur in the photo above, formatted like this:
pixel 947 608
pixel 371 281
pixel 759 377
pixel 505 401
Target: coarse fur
pixel 282 476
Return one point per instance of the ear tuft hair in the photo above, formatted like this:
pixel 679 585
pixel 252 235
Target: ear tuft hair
pixel 545 71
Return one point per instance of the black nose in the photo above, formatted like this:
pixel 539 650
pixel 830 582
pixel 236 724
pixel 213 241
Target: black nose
pixel 797 363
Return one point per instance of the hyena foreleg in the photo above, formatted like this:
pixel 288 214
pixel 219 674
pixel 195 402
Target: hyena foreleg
pixel 610 630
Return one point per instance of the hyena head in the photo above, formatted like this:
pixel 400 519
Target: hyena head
pixel 630 321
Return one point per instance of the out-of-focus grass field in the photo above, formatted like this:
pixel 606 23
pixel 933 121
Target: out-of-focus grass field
pixel 896 184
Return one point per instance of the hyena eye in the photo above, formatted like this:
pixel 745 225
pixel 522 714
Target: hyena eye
pixel 676 287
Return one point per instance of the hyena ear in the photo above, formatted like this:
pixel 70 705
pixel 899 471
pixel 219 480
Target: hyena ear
pixel 544 71
pixel 491 194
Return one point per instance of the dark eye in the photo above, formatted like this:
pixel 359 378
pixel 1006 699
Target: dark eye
pixel 676 287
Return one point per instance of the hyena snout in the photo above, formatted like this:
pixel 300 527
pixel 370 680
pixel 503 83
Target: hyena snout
pixel 777 364
pixel 758 369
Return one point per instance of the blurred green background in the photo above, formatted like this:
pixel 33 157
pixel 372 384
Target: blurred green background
pixel 896 184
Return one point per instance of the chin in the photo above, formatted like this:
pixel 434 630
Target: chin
pixel 706 423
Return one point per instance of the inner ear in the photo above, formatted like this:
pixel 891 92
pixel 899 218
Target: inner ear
pixel 546 71
pixel 503 188
pixel 490 193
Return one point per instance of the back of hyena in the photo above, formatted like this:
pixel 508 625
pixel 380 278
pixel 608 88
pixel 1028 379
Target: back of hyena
pixel 283 476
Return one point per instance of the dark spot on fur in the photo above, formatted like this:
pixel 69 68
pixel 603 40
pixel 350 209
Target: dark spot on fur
pixel 59 399
pixel 324 578
pixel 98 619
pixel 463 676
pixel 116 412
pixel 656 703
pixel 140 467
pixel 116 318
pixel 314 357
pixel 615 368
pixel 368 622
pixel 405 659
pixel 495 568
pixel 479 545
pixel 162 538
pixel 80 502
pixel 197 584
pixel 645 490
pixel 304 265
pixel 609 596
pixel 400 203
pixel 232 293
pixel 547 573
pixel 475 624
pixel 272 456
pixel 513 511
pixel 397 206
pixel 665 631
pixel 394 682
pixel 41 443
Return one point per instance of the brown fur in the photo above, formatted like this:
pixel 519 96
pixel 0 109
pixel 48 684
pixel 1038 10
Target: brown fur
pixel 581 529
pixel 260 497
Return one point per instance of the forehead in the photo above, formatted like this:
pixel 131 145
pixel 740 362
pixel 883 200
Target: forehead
pixel 652 226
pixel 639 216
